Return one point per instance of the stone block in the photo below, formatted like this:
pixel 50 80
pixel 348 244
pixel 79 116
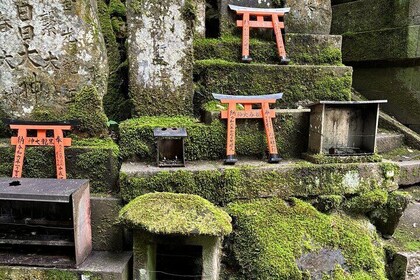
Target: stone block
pixel 312 17
pixel 301 84
pixel 399 85
pixel 386 142
pixel 406 266
pixel 410 172
pixel 49 50
pixel 160 55
pixel 369 15
pixel 107 235
pixel 389 44
pixel 300 48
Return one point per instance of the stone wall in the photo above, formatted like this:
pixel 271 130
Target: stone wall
pixel 49 50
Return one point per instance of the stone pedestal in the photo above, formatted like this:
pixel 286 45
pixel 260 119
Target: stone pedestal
pixel 160 56
pixel 49 50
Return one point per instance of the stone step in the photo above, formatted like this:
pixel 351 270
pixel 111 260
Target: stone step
pixel 249 179
pixel 94 159
pixel 98 266
pixel 299 83
pixel 301 49
pixel 409 172
pixel 386 141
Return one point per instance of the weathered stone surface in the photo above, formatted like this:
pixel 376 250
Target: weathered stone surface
pixel 300 48
pixel 307 16
pixel 321 263
pixel 200 22
pixel 98 266
pixel 107 235
pixel 386 142
pixel 406 266
pixel 49 50
pixel 410 172
pixel 399 85
pixel 388 44
pixel 160 56
pixel 365 15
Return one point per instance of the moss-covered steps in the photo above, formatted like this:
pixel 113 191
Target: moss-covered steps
pixel 299 83
pixel 252 179
pixel 98 266
pixel 301 49
pixel 94 159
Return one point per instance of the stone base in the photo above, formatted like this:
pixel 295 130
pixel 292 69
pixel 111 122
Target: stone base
pixel 98 266
pixel 300 48
pixel 323 159
pixel 409 172
pixel 386 142
pixel 93 159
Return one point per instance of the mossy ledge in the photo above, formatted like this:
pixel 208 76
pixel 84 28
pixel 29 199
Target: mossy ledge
pixel 206 142
pixel 271 235
pixel 95 159
pixel 169 213
pixel 221 185
pixel 299 83
pixel 301 49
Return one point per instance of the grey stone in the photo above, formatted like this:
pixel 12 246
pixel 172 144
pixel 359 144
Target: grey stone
pixel 321 262
pixel 49 50
pixel 409 172
pixel 107 235
pixel 399 85
pixel 306 16
pixel 386 142
pixel 406 266
pixel 160 56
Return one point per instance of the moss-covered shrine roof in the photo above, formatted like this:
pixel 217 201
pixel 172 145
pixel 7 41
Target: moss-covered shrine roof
pixel 170 213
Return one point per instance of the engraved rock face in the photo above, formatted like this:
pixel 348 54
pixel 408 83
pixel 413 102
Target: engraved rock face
pixel 160 56
pixel 49 50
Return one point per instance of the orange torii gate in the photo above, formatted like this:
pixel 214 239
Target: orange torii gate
pixel 276 23
pixel 56 139
pixel 264 113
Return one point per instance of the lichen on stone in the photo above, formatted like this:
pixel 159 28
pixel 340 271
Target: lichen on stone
pixel 169 213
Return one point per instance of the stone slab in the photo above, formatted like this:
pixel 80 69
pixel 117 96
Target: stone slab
pixel 399 85
pixel 369 15
pixel 386 142
pixel 300 84
pixel 300 48
pixel 250 179
pixel 409 172
pixel 313 17
pixel 49 50
pixel 406 265
pixel 160 55
pixel 107 235
pixel 390 44
pixel 98 266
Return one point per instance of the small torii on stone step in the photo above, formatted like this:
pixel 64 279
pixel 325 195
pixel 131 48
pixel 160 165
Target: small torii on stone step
pixel 276 23
pixel 264 113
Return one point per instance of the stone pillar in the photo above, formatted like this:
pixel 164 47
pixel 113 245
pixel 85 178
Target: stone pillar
pixel 306 16
pixel 160 56
pixel 49 50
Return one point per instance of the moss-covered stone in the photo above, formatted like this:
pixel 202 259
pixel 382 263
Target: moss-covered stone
pixel 301 49
pixel 271 235
pixel 367 202
pixel 322 158
pixel 328 203
pixel 93 159
pixel 169 213
pixel 385 44
pixel 298 83
pixel 220 184
pixel 36 274
pixel 209 141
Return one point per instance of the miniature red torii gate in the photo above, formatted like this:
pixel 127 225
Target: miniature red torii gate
pixel 22 140
pixel 264 113
pixel 275 23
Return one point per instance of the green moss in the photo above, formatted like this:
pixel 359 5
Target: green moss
pixel 169 213
pixel 117 8
pixel 87 109
pixel 323 159
pixel 367 202
pixel 271 235
pixel 296 82
pixel 94 159
pixel 189 11
pixel 228 184
pixel 7 273
pixel 328 203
